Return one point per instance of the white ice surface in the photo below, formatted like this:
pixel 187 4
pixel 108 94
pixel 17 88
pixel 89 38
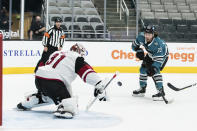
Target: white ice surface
pixel 122 113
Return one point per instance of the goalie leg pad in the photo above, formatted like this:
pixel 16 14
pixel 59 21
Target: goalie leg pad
pixel 34 100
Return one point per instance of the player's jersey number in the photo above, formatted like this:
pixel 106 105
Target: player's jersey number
pixel 61 57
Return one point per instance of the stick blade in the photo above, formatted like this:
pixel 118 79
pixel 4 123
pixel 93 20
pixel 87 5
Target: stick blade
pixel 172 87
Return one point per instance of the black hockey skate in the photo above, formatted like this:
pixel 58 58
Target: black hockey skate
pixel 60 113
pixel 158 96
pixel 140 92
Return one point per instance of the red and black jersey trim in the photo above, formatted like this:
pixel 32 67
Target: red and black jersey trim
pixel 82 68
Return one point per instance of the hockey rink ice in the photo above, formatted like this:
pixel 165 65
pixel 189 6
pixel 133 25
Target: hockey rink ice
pixel 122 112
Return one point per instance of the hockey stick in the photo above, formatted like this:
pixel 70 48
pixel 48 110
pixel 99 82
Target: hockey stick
pixel 178 89
pixel 92 102
pixel 165 100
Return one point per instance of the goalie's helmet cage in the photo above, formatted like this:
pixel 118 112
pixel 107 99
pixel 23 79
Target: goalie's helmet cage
pixel 79 49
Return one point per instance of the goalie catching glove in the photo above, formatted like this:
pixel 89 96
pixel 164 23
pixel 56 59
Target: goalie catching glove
pixel 100 91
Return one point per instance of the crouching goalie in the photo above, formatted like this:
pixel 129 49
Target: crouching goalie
pixel 53 82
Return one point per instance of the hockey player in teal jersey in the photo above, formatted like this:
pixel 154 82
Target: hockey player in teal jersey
pixel 153 62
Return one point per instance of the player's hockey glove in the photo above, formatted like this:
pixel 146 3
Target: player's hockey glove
pixel 140 54
pixel 100 91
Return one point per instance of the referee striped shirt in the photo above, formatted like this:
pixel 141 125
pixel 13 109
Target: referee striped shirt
pixel 54 37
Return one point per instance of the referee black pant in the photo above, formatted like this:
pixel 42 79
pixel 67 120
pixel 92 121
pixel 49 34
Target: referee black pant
pixel 45 56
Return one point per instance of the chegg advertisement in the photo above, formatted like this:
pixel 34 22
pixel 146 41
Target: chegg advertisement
pixel 179 54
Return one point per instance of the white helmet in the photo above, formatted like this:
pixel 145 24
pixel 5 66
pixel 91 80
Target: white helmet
pixel 79 49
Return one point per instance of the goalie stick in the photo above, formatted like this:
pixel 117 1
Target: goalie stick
pixel 178 89
pixel 92 102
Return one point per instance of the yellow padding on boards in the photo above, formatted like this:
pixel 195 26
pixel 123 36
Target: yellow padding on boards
pixel 18 70
pixel 104 69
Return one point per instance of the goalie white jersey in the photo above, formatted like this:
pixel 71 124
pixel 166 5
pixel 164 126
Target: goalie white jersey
pixel 65 66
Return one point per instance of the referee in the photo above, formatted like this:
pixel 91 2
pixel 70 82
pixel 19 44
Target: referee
pixel 53 40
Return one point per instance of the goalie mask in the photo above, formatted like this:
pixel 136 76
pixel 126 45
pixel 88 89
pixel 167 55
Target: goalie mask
pixel 79 49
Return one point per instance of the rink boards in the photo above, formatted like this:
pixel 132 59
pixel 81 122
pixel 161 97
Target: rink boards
pixel 20 57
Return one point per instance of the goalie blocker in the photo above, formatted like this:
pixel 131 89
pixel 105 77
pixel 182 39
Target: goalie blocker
pixel 53 82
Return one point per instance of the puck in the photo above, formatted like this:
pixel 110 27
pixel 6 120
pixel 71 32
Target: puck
pixel 119 83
